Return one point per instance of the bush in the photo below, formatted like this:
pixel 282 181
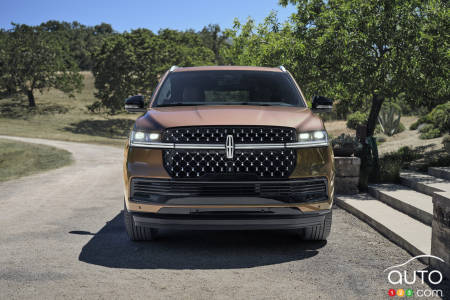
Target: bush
pixel 429 132
pixel 390 169
pixel 439 118
pixel 432 133
pixel 391 163
pixel 414 125
pixel 357 118
pixel 426 128
pixel 407 154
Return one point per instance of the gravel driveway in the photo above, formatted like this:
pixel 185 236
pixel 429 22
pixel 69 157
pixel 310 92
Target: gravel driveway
pixel 61 236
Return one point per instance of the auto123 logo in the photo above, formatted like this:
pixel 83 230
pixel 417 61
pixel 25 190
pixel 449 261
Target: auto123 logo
pixel 401 277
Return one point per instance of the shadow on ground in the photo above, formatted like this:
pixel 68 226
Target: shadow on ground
pixel 112 128
pixel 17 108
pixel 110 247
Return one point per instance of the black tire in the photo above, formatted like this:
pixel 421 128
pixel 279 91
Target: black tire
pixel 137 233
pixel 319 232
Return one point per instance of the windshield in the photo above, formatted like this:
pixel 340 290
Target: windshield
pixel 228 88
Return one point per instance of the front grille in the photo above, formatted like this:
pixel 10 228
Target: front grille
pixel 218 134
pixel 151 190
pixel 245 164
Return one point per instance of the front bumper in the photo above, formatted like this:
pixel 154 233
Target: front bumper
pixel 231 220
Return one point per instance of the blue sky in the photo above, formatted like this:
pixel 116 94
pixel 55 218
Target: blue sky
pixel 151 14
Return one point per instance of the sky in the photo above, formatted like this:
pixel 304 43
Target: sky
pixel 151 14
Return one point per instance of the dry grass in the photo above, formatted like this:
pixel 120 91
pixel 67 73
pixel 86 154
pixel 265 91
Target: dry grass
pixel 408 138
pixel 63 118
pixel 336 128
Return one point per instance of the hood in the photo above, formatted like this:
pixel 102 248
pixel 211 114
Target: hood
pixel 297 117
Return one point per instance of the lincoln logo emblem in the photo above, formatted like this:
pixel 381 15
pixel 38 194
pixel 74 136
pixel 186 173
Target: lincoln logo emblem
pixel 229 146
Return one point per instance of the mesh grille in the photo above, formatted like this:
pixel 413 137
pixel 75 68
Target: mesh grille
pixel 143 189
pixel 218 135
pixel 254 164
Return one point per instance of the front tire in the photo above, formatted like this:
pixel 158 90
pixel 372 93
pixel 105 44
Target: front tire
pixel 135 232
pixel 319 232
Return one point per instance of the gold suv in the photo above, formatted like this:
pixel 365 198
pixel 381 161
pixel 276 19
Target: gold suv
pixel 223 148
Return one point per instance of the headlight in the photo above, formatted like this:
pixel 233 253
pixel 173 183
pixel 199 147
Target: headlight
pixel 319 136
pixel 139 137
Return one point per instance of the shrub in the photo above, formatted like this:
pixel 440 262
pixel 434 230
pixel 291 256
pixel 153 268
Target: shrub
pixel 407 154
pixel 439 118
pixel 426 128
pixel 389 119
pixel 414 125
pixel 390 169
pixel 430 134
pixel 357 118
pixel 391 163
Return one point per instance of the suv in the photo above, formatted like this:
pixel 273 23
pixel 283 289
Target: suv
pixel 228 147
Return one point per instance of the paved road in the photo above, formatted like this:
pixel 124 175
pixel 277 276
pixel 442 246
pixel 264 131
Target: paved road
pixel 61 236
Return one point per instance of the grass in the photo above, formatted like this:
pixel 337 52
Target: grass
pixel 60 117
pixel 19 159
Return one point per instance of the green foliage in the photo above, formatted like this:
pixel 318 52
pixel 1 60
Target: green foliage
pixel 391 163
pixel 356 119
pixel 32 59
pixel 132 63
pixel 429 132
pixel 354 50
pixel 438 122
pixel 389 169
pixel 414 125
pixel 81 40
pixel 213 38
pixel 389 119
pixel 440 117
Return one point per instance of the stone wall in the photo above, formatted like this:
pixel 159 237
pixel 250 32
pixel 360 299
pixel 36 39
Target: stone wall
pixel 347 175
pixel 440 237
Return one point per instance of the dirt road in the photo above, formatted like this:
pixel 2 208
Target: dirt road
pixel 62 236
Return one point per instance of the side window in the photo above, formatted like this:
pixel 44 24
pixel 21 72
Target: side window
pixel 165 94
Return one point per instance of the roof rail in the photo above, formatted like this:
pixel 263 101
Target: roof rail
pixel 173 68
pixel 282 68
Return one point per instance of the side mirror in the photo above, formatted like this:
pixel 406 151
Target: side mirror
pixel 135 104
pixel 322 104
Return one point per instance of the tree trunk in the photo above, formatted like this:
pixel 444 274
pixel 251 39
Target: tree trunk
pixel 369 159
pixel 31 102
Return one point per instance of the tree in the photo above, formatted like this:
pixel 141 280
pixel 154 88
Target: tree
pixel 30 60
pixel 81 40
pixel 374 48
pixel 132 63
pixel 213 38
